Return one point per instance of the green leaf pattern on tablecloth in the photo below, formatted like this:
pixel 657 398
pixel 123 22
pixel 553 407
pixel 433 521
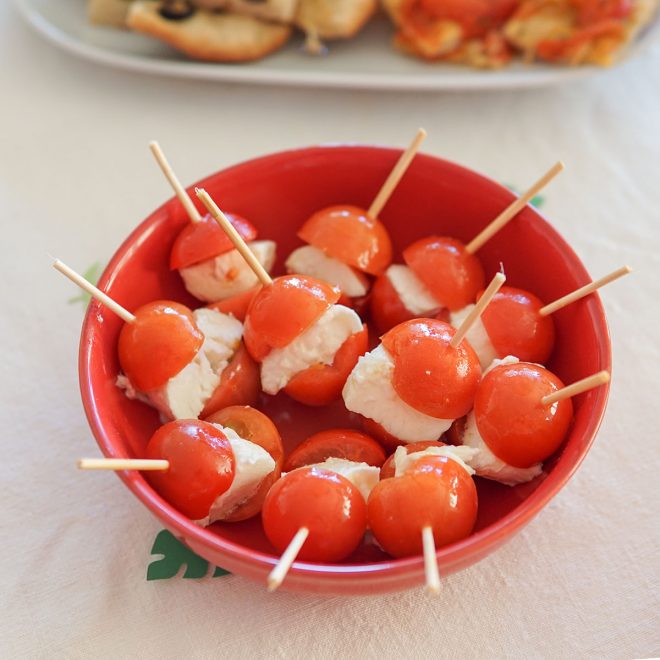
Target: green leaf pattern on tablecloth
pixel 538 201
pixel 175 556
pixel 92 275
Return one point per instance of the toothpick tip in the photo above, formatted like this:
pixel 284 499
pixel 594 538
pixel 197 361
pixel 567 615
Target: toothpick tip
pixel 273 584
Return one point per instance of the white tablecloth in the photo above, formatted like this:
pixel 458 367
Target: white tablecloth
pixel 76 177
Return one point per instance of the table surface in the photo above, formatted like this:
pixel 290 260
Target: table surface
pixel 75 177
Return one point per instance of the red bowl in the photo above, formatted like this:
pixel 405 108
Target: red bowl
pixel 277 193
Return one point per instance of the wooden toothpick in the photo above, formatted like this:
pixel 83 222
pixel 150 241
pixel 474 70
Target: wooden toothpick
pixel 122 464
pixel 179 190
pixel 580 386
pixel 277 575
pixel 430 561
pixel 93 291
pixel 483 302
pixel 396 174
pixel 584 291
pixel 513 209
pixel 234 237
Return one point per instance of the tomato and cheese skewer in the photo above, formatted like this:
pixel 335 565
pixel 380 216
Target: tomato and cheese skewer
pixel 420 378
pixel 520 418
pixel 440 273
pixel 306 344
pixel 430 502
pixel 313 514
pixel 345 244
pixel 517 323
pixel 210 266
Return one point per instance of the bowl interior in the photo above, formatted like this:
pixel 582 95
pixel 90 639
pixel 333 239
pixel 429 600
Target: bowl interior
pixel 277 193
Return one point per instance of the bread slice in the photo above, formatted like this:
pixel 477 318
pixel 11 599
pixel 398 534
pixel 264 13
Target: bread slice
pixel 334 19
pixel 280 11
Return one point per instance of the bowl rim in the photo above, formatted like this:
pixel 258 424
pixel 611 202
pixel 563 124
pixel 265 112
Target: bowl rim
pixel 454 554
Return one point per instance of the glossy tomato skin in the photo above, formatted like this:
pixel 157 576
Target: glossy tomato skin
pixel 388 469
pixel 284 310
pixel 236 305
pixel 321 384
pixel 201 465
pixel 449 271
pixel 349 234
pixel 199 241
pixel 326 503
pixel 511 419
pixel 515 326
pixel 251 424
pixel 434 492
pixel 348 444
pixel 240 384
pixel 385 305
pixel 161 341
pixel 429 374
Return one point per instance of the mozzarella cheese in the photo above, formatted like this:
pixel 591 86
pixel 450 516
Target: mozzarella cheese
pixel 317 345
pixel 461 455
pixel 416 298
pixel 309 260
pixel 369 392
pixel 252 464
pixel 227 274
pixel 184 395
pixel 477 336
pixel 363 476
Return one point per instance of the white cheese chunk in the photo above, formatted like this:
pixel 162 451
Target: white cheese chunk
pixel 363 476
pixel 369 392
pixel 416 298
pixel 184 395
pixel 316 345
pixel 311 261
pixel 252 464
pixel 227 274
pixel 477 336
pixel 461 455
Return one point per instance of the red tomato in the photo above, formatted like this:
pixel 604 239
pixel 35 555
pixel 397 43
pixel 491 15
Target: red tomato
pixel 434 492
pixel 336 443
pixel 201 465
pixel 252 425
pixel 511 419
pixel 449 271
pixel 347 233
pixel 240 384
pixel 595 11
pixel 199 241
pixel 161 341
pixel 572 48
pixel 321 384
pixel 237 305
pixel 475 16
pixel 326 503
pixel 515 326
pixel 385 305
pixel 284 310
pixel 387 471
pixel 429 374
pixel 375 430
pixel 456 431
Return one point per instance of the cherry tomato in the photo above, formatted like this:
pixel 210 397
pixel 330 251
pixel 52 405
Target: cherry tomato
pixel 201 465
pixel 429 374
pixel 449 271
pixel 388 469
pixel 434 492
pixel 326 503
pixel 375 430
pixel 385 305
pixel 515 326
pixel 236 305
pixel 240 384
pixel 336 443
pixel 511 419
pixel 349 234
pixel 251 424
pixel 161 341
pixel 282 311
pixel 199 241
pixel 321 384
